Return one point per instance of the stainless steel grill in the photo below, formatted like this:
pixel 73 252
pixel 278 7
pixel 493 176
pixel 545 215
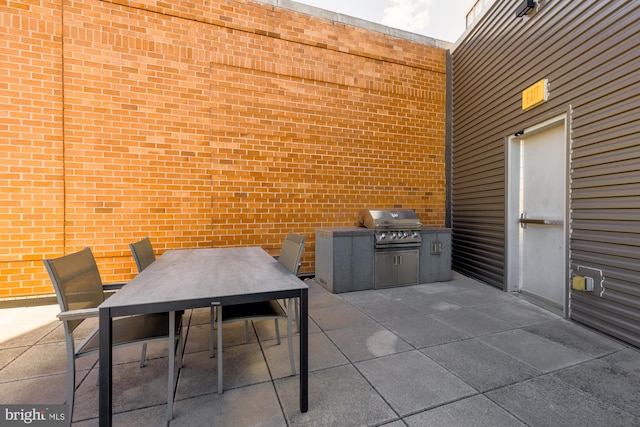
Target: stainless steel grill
pixel 393 228
pixel 398 235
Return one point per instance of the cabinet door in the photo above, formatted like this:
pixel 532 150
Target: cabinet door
pixel 407 265
pixel 386 271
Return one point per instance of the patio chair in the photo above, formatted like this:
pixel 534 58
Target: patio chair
pixel 289 257
pixel 143 254
pixel 80 291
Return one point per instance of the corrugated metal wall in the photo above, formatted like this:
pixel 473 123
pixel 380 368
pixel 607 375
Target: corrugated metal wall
pixel 590 52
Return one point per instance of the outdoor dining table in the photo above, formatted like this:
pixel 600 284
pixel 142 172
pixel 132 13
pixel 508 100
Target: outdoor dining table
pixel 195 278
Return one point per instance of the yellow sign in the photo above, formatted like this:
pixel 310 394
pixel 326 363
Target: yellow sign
pixel 534 95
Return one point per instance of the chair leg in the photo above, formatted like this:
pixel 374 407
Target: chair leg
pixel 181 344
pixel 143 355
pixel 71 385
pixel 71 370
pixel 277 331
pixel 287 302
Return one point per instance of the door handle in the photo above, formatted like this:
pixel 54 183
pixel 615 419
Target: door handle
pixel 538 221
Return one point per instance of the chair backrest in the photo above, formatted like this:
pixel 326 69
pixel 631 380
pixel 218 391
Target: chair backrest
pixel 76 280
pixel 291 252
pixel 142 253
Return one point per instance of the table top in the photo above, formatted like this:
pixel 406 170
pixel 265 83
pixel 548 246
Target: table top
pixel 198 275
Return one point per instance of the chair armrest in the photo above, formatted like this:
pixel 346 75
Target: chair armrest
pixel 113 286
pixel 83 313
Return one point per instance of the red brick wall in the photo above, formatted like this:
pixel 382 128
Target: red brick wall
pixel 31 136
pixel 203 124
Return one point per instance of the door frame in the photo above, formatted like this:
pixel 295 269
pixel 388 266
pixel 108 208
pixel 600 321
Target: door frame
pixel 512 205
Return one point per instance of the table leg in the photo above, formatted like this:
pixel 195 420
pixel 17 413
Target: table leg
pixel 172 361
pixel 104 373
pixel 304 350
pixel 219 325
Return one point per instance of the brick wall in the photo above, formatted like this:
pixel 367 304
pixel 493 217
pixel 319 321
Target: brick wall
pixel 31 136
pixel 220 123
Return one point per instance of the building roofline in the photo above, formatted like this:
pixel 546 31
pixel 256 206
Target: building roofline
pixel 479 9
pixel 356 22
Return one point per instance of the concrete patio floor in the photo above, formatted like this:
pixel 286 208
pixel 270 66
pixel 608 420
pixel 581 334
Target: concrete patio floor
pixel 457 353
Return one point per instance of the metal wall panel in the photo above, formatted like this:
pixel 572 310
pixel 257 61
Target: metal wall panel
pixel 590 53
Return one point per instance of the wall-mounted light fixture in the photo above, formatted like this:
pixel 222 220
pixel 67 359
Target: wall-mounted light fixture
pixel 525 8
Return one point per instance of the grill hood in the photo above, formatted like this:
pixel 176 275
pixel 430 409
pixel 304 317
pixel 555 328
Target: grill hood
pixel 389 219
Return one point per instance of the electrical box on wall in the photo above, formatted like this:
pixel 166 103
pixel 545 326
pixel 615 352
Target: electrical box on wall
pixel 436 247
pixel 589 283
pixel 581 283
pixel 589 280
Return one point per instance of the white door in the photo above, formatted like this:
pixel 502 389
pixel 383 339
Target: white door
pixel 537 213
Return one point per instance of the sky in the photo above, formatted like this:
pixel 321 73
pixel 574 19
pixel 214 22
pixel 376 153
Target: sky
pixel 439 19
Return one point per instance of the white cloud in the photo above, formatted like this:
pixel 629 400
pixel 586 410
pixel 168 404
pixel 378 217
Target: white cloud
pixel 410 15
